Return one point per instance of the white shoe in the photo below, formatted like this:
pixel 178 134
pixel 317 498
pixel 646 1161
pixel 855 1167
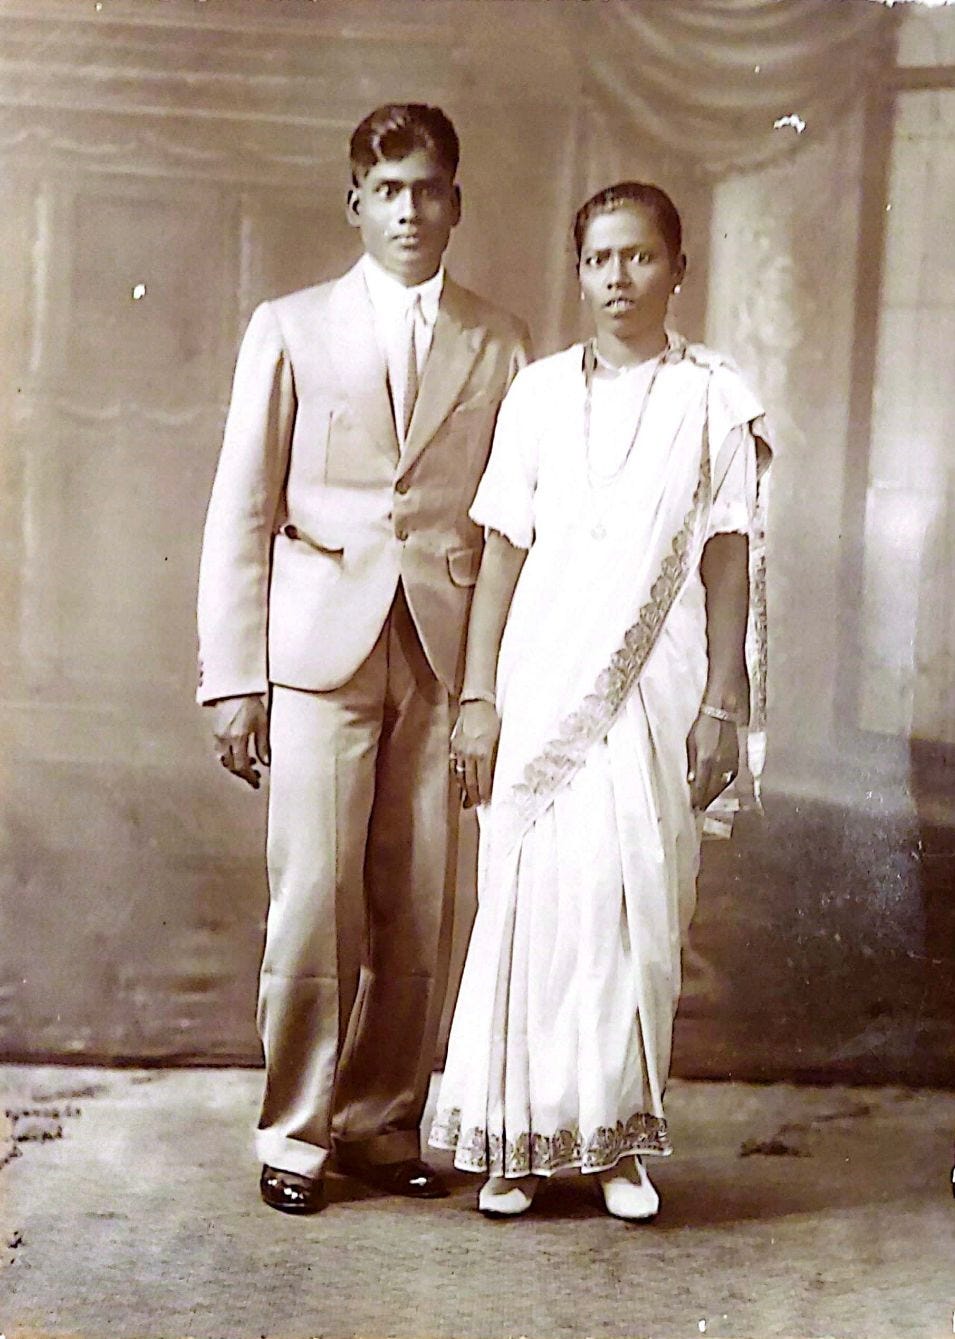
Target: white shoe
pixel 504 1197
pixel 628 1191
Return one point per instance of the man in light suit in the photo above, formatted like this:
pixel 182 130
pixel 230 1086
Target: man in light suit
pixel 337 570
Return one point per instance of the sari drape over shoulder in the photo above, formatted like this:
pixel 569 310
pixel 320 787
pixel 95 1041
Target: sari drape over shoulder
pixel 560 1045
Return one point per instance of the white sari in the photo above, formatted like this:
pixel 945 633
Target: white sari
pixel 560 1045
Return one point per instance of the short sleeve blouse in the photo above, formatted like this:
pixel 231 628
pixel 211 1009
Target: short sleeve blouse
pixel 734 503
pixel 540 405
pixel 735 423
pixel 505 497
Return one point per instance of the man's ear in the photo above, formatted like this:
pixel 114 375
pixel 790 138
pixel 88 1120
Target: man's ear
pixel 353 206
pixel 456 202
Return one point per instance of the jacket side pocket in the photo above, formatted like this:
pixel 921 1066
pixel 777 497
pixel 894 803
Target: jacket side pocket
pixel 463 566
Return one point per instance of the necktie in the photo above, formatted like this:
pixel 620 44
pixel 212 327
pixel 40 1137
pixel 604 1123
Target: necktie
pixel 411 370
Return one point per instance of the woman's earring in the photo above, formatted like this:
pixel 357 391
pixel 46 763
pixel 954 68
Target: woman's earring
pixel 677 287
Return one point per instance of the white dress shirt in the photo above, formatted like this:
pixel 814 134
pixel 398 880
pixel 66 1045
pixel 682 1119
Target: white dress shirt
pixel 391 302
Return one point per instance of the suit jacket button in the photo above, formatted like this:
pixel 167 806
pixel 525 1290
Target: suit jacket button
pixel 401 531
pixel 402 486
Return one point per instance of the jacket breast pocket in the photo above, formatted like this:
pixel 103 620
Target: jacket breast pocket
pixel 463 566
pixel 352 460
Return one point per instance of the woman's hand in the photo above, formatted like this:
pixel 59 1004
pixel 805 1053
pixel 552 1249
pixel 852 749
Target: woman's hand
pixel 712 752
pixel 473 750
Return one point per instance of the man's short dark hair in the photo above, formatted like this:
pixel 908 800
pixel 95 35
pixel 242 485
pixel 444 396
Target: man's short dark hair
pixel 399 129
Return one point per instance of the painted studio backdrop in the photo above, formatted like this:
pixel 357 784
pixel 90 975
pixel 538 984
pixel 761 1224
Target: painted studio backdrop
pixel 166 166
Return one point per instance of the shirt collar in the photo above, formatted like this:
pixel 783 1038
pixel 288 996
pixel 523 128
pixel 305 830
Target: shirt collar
pixel 390 297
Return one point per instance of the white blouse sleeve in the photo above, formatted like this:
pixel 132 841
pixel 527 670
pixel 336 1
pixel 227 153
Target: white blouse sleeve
pixel 734 502
pixel 739 451
pixel 505 497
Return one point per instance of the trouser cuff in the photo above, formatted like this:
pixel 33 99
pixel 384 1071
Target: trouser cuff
pixel 289 1155
pixel 396 1146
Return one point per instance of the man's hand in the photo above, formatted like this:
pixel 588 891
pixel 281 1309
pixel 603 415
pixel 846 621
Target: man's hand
pixel 235 722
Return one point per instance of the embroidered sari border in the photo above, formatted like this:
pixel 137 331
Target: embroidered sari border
pixel 477 1149
pixel 565 754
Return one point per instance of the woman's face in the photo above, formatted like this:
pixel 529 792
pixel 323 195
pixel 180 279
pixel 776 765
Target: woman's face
pixel 627 273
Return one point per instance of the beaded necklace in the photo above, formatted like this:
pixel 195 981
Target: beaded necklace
pixel 596 481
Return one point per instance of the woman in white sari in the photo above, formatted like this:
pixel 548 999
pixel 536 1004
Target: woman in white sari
pixel 622 516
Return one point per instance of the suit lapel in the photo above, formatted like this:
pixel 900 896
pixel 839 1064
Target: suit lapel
pixel 356 357
pixel 454 348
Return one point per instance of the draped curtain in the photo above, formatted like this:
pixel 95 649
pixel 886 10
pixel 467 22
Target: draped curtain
pixel 709 80
pixel 752 113
pixel 689 95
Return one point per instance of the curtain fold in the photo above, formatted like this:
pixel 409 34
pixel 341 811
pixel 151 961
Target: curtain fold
pixel 709 80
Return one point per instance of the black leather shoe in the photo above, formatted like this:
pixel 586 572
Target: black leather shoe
pixel 412 1178
pixel 290 1193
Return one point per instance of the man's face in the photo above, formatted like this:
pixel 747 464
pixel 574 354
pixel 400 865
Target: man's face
pixel 405 209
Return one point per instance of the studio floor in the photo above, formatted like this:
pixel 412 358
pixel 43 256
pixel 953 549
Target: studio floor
pixel 129 1208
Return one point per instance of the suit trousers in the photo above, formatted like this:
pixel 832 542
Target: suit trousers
pixel 362 838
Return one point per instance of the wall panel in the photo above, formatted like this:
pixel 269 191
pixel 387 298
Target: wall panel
pixel 201 152
pixel 290 243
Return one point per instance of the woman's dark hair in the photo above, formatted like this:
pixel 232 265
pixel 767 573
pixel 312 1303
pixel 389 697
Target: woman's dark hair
pixel 399 129
pixel 624 193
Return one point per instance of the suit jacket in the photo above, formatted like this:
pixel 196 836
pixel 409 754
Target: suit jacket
pixel 316 515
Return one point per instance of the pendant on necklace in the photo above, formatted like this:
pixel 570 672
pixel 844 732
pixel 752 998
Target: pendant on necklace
pixel 599 531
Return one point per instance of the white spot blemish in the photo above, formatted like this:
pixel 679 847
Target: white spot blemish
pixel 888 209
pixel 796 122
pixel 139 292
pixel 701 1326
pixel 756 69
pixel 99 6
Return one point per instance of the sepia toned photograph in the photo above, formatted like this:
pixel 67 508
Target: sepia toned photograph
pixel 477 811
